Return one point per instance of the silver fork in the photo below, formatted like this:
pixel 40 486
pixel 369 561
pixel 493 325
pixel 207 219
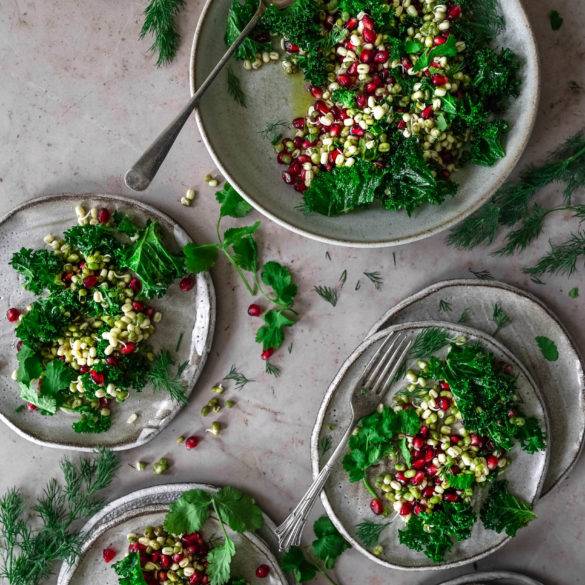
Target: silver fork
pixel 368 392
pixel 144 170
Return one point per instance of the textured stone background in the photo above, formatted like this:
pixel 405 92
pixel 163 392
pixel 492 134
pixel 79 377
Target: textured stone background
pixel 79 99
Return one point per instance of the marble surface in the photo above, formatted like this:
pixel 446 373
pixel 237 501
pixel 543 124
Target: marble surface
pixel 79 99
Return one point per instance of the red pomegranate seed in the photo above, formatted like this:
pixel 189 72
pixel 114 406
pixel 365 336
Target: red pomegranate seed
pixel 97 377
pixel 352 23
pixel 357 131
pixel 454 12
pixel 418 443
pixel 444 385
pixel 370 88
pixel 401 125
pixel 90 281
pixel 406 63
pixel 162 576
pixel 455 439
pixel 439 40
pixel 424 432
pixel 283 158
pixel 322 107
pixel 344 79
pixel 429 491
pixel 334 154
pixel 138 306
pixel 291 47
pixel 66 277
pixel 450 496
pixel 335 129
pixel 304 158
pixel 19 345
pixel 112 360
pixel 361 100
pixel 476 441
pixel 406 509
pixel 196 578
pixel 84 369
pixel 103 215
pixel 401 477
pixel 128 348
pixel 432 471
pixel 377 506
pixel 512 413
pixel 427 113
pixel 298 141
pixel 316 92
pixel 381 56
pixel 267 354
pixel 428 454
pixel 444 403
pixel 455 469
pixel 149 312
pixel 299 123
pixel 295 168
pixel 255 310
pixel 136 547
pixel 108 554
pixel 492 462
pixel 30 406
pixel 135 285
pixel 418 464
pixel 262 571
pixel 166 561
pixel 419 509
pixel 369 35
pixel 308 143
pixel 367 55
pixel 287 178
pixel 352 69
pixel 191 443
pixel 368 22
pixel 300 186
pixel 12 315
pixel 439 79
pixel 418 478
pixel 177 557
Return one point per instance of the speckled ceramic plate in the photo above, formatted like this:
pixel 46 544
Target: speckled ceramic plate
pixel 189 314
pixel 530 318
pixel 148 507
pixel 496 577
pixel 246 158
pixel 349 504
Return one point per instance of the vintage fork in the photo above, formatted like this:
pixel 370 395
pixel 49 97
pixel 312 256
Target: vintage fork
pixel 368 392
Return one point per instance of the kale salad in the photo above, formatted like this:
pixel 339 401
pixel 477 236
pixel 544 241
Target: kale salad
pixel 84 344
pixel 435 458
pixel 404 93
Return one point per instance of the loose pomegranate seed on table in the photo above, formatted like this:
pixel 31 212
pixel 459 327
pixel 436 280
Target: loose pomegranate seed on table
pixel 267 354
pixel 12 315
pixel 262 571
pixel 192 443
pixel 255 310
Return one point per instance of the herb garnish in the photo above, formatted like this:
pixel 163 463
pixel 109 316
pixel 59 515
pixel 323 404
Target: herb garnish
pixel 445 306
pixel 161 378
pixel 325 443
pixel 375 278
pixel 159 21
pixel 574 293
pixel 500 318
pixel 504 512
pixel 369 532
pixel 548 348
pixel 236 376
pixel 272 370
pixel 328 294
pixel 482 274
pixel 235 88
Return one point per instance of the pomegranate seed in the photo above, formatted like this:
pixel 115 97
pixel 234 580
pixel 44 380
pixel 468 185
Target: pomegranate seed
pixel 166 561
pixel 344 79
pixel 66 277
pixel 352 69
pixel 316 92
pixel 352 23
pixel 444 385
pixel 418 443
pixel 406 509
pixel 298 141
pixel 369 35
pixel 419 509
pixel 112 360
pixel 512 413
pixel 361 100
pixel 418 478
pixel 97 377
pixel 455 439
pixel 308 143
pixel 162 576
pixel 367 55
pixel 406 63
pixel 262 571
pixel 335 129
pixel 12 315
pixel 90 281
pixel 368 22
pixel 255 310
pixel 135 285
pixel 401 125
pixel 492 462
pixel 439 79
pixel 196 579
pixel 322 107
pixel 155 556
pixel 108 554
pixel 191 538
pixel 103 215
pixel 300 187
pixel 149 312
pixel 136 547
pixel 427 113
pixel 267 354
pixel 444 403
pixel 451 496
pixel 455 469
pixel 334 154
pixel 377 506
pixel 476 441
pixel 428 454
pixel 19 345
pixel 30 406
pixel 401 477
pixel 429 491
pixel 128 348
pixel 418 464
pixel 295 168
pixel 84 369
pixel 283 158
pixel 424 432
pixel 291 47
pixel 299 123
pixel 439 40
pixel 357 131
pixel 304 158
pixel 191 443
pixel 370 87
pixel 177 558
pixel 432 471
pixel 138 306
pixel 454 12
pixel 287 178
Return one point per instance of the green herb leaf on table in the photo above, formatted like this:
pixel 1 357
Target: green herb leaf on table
pixel 124 224
pixel 200 257
pixel 548 348
pixel 445 306
pixel 238 510
pixel 238 377
pixel 329 545
pixel 500 318
pixel 231 203
pixel 129 570
pixel 294 562
pixel 504 512
pixel 375 278
pixel 159 21
pixel 271 334
pixel 531 436
pixel 328 293
pixel 574 293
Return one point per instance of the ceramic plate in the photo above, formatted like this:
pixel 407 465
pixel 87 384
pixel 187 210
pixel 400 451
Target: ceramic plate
pixel 349 504
pixel 530 318
pixel 496 577
pixel 191 314
pixel 148 507
pixel 229 130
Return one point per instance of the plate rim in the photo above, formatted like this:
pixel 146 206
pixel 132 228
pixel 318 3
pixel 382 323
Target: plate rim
pixel 94 524
pixel 511 161
pixel 347 363
pixel 471 578
pixel 204 279
pixel 442 284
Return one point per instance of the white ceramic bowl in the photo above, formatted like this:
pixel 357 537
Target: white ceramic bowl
pixel 246 158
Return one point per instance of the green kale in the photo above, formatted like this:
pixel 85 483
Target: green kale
pixel 129 570
pixel 132 371
pixel 92 422
pixel 152 262
pixel 41 269
pixel 531 436
pixel 298 23
pixel 239 15
pixel 504 512
pixel 381 12
pixel 434 533
pixel 124 224
pixel 344 97
pixel 486 145
pixel 314 66
pixel 30 365
pixel 480 23
pixel 91 238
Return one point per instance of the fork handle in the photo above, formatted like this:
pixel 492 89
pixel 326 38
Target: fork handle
pixel 289 533
pixel 144 170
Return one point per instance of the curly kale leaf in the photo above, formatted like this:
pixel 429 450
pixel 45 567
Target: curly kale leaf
pixel 41 269
pixel 91 238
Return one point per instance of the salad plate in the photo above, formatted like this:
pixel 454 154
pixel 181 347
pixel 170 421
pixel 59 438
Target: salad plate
pixel 501 577
pixel 349 504
pixel 185 329
pixel 228 130
pixel 131 513
pixel 529 318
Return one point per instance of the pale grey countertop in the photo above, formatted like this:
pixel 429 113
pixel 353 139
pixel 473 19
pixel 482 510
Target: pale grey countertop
pixel 79 99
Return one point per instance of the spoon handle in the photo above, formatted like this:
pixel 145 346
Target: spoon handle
pixel 144 170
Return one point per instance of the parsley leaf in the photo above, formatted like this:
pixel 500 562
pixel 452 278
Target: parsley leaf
pixel 30 365
pixel 57 377
pixel 280 279
pixel 41 269
pixel 294 562
pixel 189 512
pixel 124 224
pixel 344 97
pixel 461 481
pixel 231 203
pixel 238 510
pixel 47 404
pixel 219 561
pixel 271 334
pixel 244 249
pixel 129 570
pixel 548 348
pixel 504 512
pixel 329 544
pixel 200 257
pixel 531 436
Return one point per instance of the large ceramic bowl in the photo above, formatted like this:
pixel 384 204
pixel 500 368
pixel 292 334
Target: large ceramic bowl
pixel 246 158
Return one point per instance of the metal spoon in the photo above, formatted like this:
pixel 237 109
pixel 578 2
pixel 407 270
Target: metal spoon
pixel 143 172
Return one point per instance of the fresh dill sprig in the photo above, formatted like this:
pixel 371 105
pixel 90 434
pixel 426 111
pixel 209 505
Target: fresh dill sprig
pixel 234 87
pixel 465 316
pixel 500 318
pixel 342 279
pixel 481 274
pixel 369 532
pixel 35 538
pixel 375 278
pixel 290 347
pixel 179 342
pixel 272 370
pixel 562 258
pixel 162 379
pixel 324 445
pixel 445 306
pixel 159 20
pixel 236 376
pixel 328 294
pixel 272 131
pixel 358 285
pixel 428 342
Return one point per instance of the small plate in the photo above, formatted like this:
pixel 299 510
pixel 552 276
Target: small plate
pixel 191 314
pixel 530 318
pixel 348 504
pixel 495 577
pixel 148 507
pixel 233 135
